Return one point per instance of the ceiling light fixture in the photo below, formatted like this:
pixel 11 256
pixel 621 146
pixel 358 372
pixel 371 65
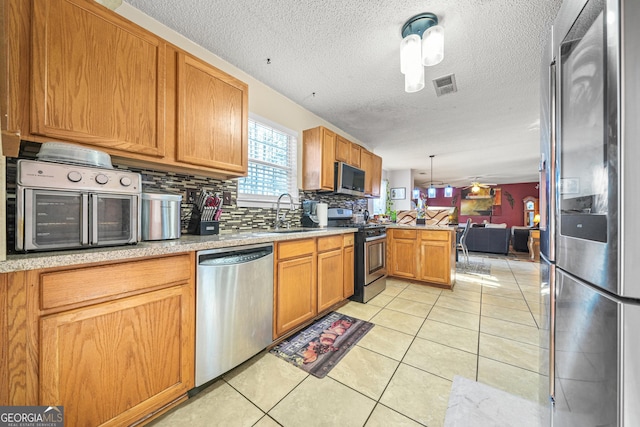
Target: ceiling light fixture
pixel 422 44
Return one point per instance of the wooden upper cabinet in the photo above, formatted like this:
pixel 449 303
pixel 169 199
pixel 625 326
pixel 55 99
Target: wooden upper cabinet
pixel 319 154
pixel 97 78
pixel 354 158
pixel 372 167
pixel 212 117
pixel 343 150
pixel 376 176
pixel 366 164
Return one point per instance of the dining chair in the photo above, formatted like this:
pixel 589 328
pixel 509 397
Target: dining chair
pixel 462 243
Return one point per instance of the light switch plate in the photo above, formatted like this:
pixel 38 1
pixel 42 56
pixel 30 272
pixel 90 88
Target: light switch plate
pixel 226 198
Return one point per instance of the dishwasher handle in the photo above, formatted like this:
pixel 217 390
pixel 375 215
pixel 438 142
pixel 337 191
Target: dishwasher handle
pixel 233 257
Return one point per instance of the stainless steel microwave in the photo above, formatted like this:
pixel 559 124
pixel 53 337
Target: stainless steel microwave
pixel 348 180
pixel 63 206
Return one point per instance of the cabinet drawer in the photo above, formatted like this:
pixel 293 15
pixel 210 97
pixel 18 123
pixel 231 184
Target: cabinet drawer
pixel 404 234
pixel 329 242
pixel 60 288
pixel 347 240
pixel 434 235
pixel 295 248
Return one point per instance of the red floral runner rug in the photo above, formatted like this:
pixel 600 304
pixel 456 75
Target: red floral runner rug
pixel 318 348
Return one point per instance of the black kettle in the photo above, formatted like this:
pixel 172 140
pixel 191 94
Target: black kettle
pixel 366 215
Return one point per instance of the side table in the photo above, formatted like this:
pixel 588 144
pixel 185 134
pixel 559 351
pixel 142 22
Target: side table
pixel 534 245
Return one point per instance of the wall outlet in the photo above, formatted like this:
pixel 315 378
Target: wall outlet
pixel 191 195
pixel 226 198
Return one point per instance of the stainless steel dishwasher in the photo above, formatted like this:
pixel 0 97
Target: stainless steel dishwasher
pixel 234 307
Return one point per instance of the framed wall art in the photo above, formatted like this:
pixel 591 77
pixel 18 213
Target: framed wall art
pixel 399 193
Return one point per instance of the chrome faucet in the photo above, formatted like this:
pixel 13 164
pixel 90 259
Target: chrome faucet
pixel 281 221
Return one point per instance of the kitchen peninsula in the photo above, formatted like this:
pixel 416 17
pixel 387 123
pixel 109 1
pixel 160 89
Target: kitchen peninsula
pixel 424 253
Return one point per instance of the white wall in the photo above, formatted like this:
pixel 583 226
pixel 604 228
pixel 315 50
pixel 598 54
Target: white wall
pixel 401 179
pixel 263 100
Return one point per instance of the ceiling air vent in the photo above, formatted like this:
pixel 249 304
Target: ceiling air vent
pixel 445 85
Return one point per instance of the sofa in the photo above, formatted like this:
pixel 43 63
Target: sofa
pixel 489 239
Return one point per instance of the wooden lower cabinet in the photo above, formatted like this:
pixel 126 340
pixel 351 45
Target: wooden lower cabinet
pixel 403 253
pixel 349 271
pixel 330 278
pixel 295 293
pixel 295 284
pixel 311 276
pixel 126 355
pixel 117 350
pixel 423 255
pixel 433 259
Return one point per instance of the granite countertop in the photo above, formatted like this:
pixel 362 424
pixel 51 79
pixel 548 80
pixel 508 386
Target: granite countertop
pixel 186 243
pixel 423 227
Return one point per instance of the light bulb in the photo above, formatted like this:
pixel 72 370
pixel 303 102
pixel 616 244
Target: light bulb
pixel 411 63
pixel 433 46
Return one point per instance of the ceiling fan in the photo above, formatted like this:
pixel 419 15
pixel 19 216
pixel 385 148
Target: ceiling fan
pixel 476 185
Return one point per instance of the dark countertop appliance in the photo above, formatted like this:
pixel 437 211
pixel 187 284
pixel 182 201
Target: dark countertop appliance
pixel 370 249
pixel 310 214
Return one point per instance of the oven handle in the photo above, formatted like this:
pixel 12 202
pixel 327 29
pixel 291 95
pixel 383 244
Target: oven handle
pixel 373 239
pixel 85 218
pixel 94 220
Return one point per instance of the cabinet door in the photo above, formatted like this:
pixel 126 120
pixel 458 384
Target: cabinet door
pixel 330 278
pixel 96 78
pixel 212 117
pixel 354 158
pixel 376 176
pixel 366 164
pixel 328 159
pixel 404 258
pixel 348 282
pixel 114 362
pixel 434 261
pixel 343 149
pixel 295 293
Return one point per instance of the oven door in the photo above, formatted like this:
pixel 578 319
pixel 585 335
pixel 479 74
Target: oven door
pixel 375 265
pixel 114 219
pixel 49 219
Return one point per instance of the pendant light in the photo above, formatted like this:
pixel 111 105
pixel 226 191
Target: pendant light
pixel 448 191
pixel 431 192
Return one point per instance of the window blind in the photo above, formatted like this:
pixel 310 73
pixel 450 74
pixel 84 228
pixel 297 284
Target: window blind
pixel 272 164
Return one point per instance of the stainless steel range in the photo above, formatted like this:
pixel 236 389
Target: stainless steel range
pixel 370 248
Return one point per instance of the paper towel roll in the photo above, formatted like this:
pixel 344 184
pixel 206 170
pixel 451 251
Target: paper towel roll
pixel 321 211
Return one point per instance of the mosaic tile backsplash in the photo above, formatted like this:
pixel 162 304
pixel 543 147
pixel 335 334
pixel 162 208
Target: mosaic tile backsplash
pixel 233 218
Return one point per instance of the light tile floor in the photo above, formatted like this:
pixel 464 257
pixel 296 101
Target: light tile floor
pixel 400 373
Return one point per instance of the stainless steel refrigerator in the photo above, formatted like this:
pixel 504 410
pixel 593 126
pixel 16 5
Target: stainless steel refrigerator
pixel 594 293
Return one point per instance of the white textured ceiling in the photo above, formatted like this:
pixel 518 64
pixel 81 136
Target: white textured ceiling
pixel 347 53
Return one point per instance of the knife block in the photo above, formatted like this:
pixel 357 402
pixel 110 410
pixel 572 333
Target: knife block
pixel 202 228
